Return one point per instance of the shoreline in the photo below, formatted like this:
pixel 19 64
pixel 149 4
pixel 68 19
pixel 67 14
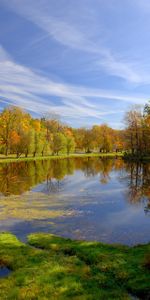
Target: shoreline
pixel 10 159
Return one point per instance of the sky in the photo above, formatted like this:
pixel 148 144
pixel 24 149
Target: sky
pixel 87 61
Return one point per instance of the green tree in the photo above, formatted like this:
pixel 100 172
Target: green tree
pixel 28 142
pixel 37 143
pixel 70 144
pixel 88 142
pixel 58 143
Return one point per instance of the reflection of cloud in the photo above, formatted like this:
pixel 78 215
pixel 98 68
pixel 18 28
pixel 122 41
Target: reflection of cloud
pixel 127 215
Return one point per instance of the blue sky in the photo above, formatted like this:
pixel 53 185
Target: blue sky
pixel 86 60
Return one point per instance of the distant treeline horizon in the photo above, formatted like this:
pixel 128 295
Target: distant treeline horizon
pixel 21 134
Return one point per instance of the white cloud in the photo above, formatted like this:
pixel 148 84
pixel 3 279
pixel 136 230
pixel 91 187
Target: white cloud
pixel 21 86
pixel 122 70
pixel 73 36
pixel 4 56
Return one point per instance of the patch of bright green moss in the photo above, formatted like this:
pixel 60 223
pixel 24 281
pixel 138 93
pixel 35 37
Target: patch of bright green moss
pixel 50 267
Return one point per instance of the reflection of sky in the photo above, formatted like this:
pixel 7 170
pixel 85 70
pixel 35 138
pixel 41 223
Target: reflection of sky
pixel 78 184
pixel 93 211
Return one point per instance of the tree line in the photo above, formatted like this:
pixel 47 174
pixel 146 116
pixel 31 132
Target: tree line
pixel 21 134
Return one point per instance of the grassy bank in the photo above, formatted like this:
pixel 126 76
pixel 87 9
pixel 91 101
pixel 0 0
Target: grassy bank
pixel 57 268
pixel 8 159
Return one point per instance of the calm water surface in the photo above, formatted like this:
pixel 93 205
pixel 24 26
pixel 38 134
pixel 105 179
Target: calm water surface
pixel 90 198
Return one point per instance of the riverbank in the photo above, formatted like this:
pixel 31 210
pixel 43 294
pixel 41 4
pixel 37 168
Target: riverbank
pixel 50 267
pixel 8 159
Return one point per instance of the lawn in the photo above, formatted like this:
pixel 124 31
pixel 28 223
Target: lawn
pixel 51 267
pixel 13 158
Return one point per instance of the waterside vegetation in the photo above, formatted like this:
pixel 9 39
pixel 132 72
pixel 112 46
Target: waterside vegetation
pixel 12 158
pixel 51 267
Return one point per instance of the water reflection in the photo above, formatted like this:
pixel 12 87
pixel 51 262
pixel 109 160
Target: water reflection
pixel 88 198
pixel 16 178
pixel 137 177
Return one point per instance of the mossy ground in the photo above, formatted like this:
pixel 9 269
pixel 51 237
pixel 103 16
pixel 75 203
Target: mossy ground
pixel 50 267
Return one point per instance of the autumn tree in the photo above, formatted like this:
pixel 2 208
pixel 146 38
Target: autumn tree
pixel 87 140
pixel 133 133
pixel 20 133
pixel 118 140
pixel 13 123
pixel 7 127
pixel 79 134
pixel 146 129
pixel 107 138
pixel 97 137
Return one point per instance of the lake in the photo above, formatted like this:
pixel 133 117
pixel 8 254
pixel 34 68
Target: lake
pixel 100 199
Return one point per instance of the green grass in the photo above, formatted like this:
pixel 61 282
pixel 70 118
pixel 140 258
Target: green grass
pixel 50 267
pixel 8 159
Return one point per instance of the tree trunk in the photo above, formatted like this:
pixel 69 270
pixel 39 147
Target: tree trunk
pixel 26 155
pixel 6 152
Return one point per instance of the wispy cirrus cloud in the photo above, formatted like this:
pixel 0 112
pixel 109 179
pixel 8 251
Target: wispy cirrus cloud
pixel 22 86
pixel 71 35
pixel 143 5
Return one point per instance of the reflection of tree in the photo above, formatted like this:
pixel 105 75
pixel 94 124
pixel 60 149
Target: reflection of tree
pixel 138 181
pixel 147 209
pixel 16 178
pixel 103 166
pixel 59 168
pixel 53 186
pixel 106 168
pixel 13 178
pixel 88 167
